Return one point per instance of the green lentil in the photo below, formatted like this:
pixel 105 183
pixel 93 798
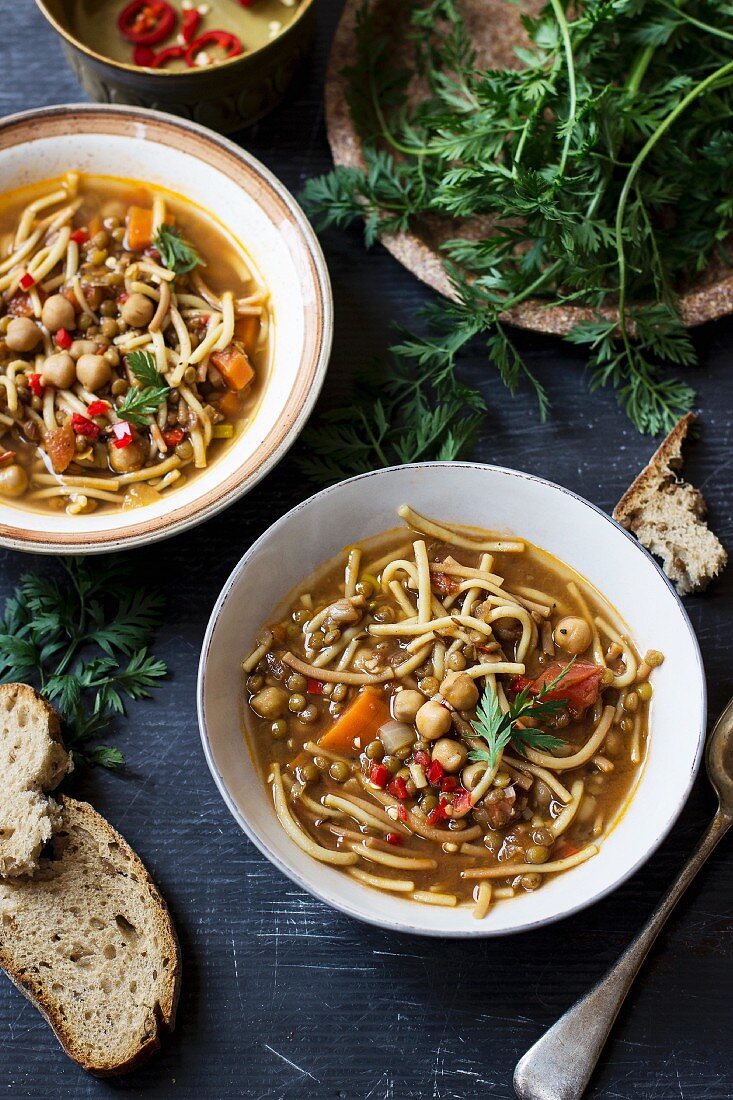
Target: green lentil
pixel 296 682
pixel 297 703
pixel 374 750
pixel 339 771
pixel 279 729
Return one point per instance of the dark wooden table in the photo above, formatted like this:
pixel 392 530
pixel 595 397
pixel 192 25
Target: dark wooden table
pixel 282 997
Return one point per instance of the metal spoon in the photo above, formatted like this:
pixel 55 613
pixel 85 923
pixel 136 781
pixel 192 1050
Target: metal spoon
pixel 560 1064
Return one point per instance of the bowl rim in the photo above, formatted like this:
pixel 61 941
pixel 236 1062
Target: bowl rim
pixel 154 74
pixel 13 536
pixel 310 884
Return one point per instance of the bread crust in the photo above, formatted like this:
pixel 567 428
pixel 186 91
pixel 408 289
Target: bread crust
pixel 667 455
pixel 84 815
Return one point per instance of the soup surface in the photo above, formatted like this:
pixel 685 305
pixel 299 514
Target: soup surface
pixel 134 343
pixel 448 714
pixel 179 35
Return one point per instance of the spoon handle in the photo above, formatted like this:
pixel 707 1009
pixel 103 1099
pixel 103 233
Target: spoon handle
pixel 560 1064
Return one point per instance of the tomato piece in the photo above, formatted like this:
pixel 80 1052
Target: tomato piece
pixel 443 584
pixel 60 446
pixel 579 687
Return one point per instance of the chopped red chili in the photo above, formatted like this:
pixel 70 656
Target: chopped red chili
pixel 97 408
pixel 461 801
pixel 27 281
pixel 314 687
pixel 146 22
pixel 398 787
pixel 143 55
pixel 79 236
pixel 34 380
pixel 437 815
pixel 402 813
pixel 435 772
pixel 379 775
pixel 63 339
pixel 449 783
pixel 190 25
pixel 173 436
pixel 394 838
pixel 123 434
pixel 82 425
pixel 171 53
pixel 422 757
pixel 229 43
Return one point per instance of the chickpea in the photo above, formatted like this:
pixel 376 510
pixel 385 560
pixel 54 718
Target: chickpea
pixel 83 347
pixel 58 312
pixel 93 371
pixel 271 702
pixel 59 370
pixel 23 334
pixel 124 460
pixel 406 704
pixel 459 690
pixel 452 755
pixel 137 311
pixel 13 481
pixel 573 635
pixel 432 720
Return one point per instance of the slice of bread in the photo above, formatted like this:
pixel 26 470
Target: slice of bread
pixel 32 760
pixel 667 515
pixel 90 942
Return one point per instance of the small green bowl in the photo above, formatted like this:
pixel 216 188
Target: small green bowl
pixel 224 97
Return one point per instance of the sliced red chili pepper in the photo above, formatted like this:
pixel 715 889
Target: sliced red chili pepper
pixel 435 772
pixel 80 236
pixel 449 783
pixel 402 813
pixel 190 24
pixel 398 788
pixel 379 775
pixel 36 385
pixel 437 815
pixel 63 339
pixel 173 436
pixel 82 425
pixel 394 838
pixel 97 408
pixel 123 434
pixel 143 55
pixel 27 281
pixel 172 53
pixel 314 687
pixel 146 22
pixel 461 801
pixel 422 757
pixel 229 43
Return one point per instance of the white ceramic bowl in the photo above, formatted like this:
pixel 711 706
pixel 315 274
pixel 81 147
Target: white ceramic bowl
pixel 258 211
pixel 499 499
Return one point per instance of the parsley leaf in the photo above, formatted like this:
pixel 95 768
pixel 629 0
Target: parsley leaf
pixel 143 365
pixel 599 170
pixel 82 640
pixel 141 403
pixel 176 253
pixel 499 730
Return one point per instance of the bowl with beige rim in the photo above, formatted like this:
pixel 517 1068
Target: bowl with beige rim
pixel 497 499
pixel 256 209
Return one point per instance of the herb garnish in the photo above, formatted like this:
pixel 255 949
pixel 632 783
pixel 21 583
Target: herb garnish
pixel 605 163
pixel 141 403
pixel 176 253
pixel 82 640
pixel 499 730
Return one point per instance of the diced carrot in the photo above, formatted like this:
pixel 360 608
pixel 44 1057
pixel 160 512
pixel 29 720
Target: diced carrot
pixel 230 404
pixel 247 330
pixel 234 366
pixel 361 720
pixel 139 228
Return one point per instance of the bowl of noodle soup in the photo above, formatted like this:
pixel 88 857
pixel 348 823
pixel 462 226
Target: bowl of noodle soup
pixel 165 326
pixel 423 593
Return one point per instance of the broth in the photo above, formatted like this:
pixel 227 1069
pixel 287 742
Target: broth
pixel 135 340
pixel 95 24
pixel 375 702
